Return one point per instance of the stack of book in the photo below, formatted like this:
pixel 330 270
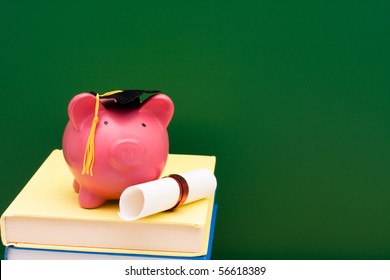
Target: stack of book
pixel 45 221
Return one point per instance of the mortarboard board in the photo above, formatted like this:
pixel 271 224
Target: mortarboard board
pixel 129 97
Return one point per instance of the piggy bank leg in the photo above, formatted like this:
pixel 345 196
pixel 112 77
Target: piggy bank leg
pixel 89 200
pixel 76 186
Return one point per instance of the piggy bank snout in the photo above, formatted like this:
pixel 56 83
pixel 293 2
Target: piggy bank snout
pixel 126 153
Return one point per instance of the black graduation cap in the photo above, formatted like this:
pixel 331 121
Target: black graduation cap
pixel 128 97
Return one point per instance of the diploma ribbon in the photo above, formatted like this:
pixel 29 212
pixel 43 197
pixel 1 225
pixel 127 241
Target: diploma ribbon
pixel 183 187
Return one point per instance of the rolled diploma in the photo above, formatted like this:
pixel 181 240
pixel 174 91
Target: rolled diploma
pixel 156 196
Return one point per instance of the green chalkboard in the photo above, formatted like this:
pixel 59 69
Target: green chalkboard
pixel 293 97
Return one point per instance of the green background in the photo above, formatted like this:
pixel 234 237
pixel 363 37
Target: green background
pixel 293 97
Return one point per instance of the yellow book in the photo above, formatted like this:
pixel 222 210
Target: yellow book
pixel 46 215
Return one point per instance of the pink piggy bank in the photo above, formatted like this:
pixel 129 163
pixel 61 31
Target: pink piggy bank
pixel 130 145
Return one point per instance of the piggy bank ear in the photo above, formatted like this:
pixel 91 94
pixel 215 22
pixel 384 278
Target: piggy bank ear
pixel 161 106
pixel 80 107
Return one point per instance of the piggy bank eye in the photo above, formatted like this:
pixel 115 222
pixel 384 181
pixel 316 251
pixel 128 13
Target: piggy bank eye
pixel 106 122
pixel 143 124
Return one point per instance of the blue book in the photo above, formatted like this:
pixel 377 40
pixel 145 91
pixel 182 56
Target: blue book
pixel 18 253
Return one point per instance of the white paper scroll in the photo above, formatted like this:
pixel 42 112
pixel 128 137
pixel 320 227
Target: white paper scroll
pixel 156 196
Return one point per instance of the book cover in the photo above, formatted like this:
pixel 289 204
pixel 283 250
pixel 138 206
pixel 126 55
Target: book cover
pixel 17 253
pixel 46 214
